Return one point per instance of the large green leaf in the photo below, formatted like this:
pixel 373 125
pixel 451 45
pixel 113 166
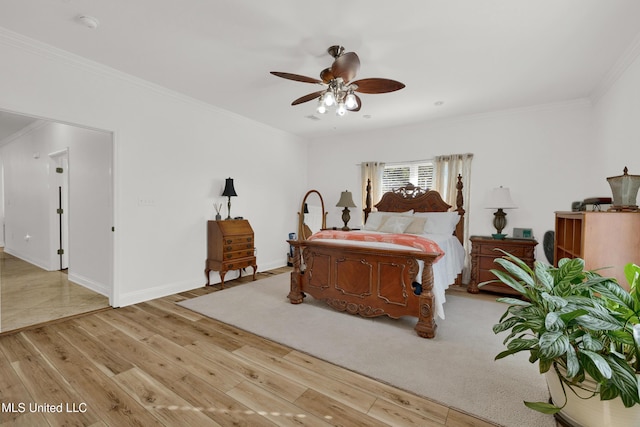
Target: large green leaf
pixel 516 271
pixel 545 408
pixel 514 301
pixel 571 270
pixel 600 363
pixel 632 274
pixel 543 276
pixel 519 344
pixel 507 324
pixel 625 380
pixel 555 301
pixel 599 322
pixel 553 322
pixel 510 281
pixel 553 344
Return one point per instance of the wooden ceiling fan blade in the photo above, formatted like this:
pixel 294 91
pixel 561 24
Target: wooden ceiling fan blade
pixel 326 75
pixel 346 66
pixel 296 77
pixel 308 97
pixel 376 85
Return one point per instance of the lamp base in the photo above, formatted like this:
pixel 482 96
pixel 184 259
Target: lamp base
pixel 345 218
pixel 498 236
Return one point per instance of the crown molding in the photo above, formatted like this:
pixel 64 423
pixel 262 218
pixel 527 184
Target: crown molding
pixel 25 130
pixel 617 70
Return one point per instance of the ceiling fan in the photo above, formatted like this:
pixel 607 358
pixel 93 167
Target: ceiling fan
pixel 339 89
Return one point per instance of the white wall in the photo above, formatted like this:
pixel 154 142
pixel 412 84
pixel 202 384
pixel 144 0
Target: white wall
pixel 171 152
pixel 543 154
pixel 31 201
pixel 617 126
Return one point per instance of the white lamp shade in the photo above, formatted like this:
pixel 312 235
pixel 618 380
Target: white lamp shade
pixel 500 198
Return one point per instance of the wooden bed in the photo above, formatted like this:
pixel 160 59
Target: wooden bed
pixel 372 281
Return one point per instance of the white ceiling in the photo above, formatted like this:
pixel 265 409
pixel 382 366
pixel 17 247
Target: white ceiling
pixel 474 56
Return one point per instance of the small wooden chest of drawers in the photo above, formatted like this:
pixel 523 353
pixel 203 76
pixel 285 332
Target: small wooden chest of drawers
pixel 483 254
pixel 230 246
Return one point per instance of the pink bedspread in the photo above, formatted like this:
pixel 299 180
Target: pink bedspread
pixel 410 240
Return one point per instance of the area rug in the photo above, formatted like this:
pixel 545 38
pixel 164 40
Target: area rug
pixel 456 368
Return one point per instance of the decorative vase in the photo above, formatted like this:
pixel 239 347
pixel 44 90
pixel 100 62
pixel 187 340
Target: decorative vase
pixel 218 217
pixel 587 411
pixel 625 190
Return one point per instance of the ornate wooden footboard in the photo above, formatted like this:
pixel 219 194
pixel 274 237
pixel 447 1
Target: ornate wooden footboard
pixel 365 281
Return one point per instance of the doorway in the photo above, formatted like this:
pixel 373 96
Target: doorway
pixel 57 221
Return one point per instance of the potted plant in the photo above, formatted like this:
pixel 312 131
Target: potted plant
pixel 583 331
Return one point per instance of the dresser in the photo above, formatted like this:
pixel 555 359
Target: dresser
pixel 230 246
pixel 607 240
pixel 483 254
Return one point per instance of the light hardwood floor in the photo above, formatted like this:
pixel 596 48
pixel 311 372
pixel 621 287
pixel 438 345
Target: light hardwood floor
pixel 30 295
pixel 156 363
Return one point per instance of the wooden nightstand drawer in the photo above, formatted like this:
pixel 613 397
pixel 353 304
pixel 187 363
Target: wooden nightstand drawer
pixel 241 263
pixel 489 249
pixel 238 254
pixel 232 247
pixel 236 240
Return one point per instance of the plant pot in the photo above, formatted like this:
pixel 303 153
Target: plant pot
pixel 593 412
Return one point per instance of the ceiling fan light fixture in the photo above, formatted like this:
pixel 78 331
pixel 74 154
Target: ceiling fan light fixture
pixel 321 109
pixel 341 110
pixel 329 99
pixel 350 101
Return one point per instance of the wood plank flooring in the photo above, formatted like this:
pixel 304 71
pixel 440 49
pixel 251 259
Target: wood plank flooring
pixel 158 364
pixel 30 295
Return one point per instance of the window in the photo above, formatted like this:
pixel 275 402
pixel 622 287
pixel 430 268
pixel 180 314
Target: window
pixel 397 175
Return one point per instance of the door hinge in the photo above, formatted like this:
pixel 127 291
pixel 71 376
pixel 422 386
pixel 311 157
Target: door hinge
pixel 59 170
pixel 60 211
pixel 60 251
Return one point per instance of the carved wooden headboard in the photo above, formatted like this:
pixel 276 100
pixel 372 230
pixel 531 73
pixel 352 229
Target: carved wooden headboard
pixel 420 200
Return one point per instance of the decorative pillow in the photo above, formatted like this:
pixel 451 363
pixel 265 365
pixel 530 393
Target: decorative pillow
pixel 377 218
pixel 396 224
pixel 416 226
pixel 374 221
pixel 439 222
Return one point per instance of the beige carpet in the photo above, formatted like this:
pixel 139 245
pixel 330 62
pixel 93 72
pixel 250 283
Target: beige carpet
pixel 456 368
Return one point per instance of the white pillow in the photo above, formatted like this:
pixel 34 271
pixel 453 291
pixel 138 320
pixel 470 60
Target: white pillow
pixel 374 221
pixel 439 222
pixel 416 226
pixel 377 218
pixel 396 224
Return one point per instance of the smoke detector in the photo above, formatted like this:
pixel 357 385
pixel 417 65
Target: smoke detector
pixel 89 21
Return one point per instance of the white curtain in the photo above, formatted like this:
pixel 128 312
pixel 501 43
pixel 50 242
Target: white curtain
pixel 372 171
pixel 445 178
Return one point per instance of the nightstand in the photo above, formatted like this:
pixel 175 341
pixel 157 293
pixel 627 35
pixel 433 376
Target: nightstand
pixel 483 254
pixel 230 246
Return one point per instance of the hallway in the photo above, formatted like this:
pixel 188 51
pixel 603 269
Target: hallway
pixel 30 295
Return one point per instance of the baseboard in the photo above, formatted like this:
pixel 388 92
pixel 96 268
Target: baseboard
pixel 100 288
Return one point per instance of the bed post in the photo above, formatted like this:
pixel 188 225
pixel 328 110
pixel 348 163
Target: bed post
pixel 426 326
pixel 367 209
pixel 460 210
pixel 296 295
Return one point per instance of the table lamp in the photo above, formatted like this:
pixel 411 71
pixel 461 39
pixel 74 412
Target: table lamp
pixel 229 191
pixel 346 202
pixel 499 199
